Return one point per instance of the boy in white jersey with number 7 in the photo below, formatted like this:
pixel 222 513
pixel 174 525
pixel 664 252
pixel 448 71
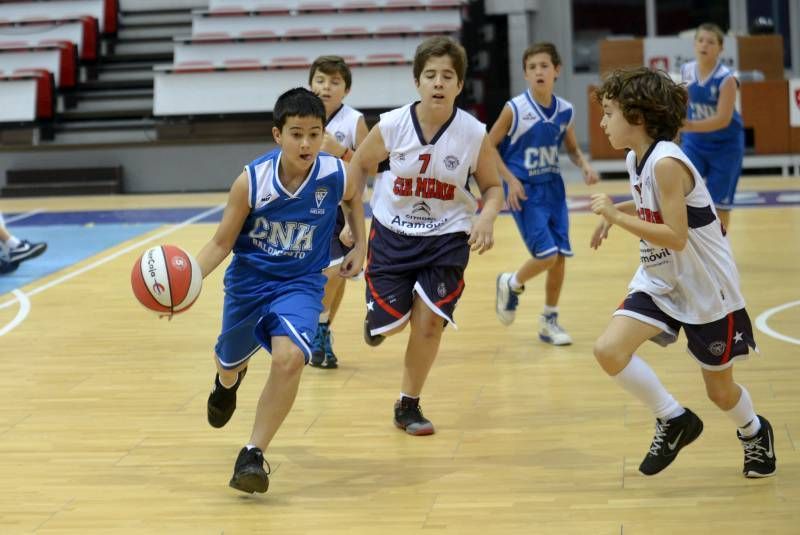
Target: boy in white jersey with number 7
pixel 687 277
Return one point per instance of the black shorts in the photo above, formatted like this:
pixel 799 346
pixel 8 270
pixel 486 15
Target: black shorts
pixel 715 345
pixel 338 249
pixel 399 266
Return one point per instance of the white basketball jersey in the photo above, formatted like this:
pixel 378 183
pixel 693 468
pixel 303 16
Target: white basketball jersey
pixel 700 284
pixel 423 191
pixel 342 125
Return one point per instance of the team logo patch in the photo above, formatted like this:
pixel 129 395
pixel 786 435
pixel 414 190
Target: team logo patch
pixel 528 117
pixel 320 195
pixel 339 137
pixel 717 348
pixel 401 156
pixel 441 289
pixel 421 207
pixel 451 162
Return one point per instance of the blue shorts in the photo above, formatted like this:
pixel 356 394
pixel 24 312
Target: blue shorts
pixel 279 308
pixel 543 221
pixel 715 345
pixel 720 166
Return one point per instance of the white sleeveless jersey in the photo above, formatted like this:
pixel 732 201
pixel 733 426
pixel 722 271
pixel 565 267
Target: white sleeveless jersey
pixel 700 284
pixel 342 125
pixel 423 190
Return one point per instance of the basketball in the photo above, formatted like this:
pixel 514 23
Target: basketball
pixel 166 279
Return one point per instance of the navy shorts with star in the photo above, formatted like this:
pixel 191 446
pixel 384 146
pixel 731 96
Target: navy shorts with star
pixel 715 345
pixel 400 267
pixel 338 249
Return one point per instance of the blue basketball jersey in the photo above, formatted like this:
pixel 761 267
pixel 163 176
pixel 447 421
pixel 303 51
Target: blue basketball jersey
pixel 530 149
pixel 703 98
pixel 287 235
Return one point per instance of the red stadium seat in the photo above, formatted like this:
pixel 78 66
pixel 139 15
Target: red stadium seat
pixel 304 32
pixel 211 36
pixel 242 64
pixel 441 28
pixel 395 30
pixel 258 34
pixel 45 90
pixel 194 66
pixel 290 62
pixel 350 30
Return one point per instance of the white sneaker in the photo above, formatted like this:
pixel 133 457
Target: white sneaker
pixel 506 299
pixel 551 332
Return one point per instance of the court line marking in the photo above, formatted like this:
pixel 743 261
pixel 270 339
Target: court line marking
pixel 112 256
pixel 26 215
pixel 22 313
pixel 761 322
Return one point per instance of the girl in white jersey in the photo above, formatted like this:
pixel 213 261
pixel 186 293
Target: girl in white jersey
pixel 423 211
pixel 687 277
pixel 330 78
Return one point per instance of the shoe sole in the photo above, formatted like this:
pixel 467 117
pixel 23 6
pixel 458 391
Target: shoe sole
pixel 497 310
pixel 217 419
pixel 550 341
pixel 249 482
pixel 419 432
pixel 688 441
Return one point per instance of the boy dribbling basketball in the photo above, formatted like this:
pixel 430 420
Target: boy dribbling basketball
pixel 279 220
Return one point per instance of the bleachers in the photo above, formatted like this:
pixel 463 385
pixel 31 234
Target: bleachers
pixel 326 24
pixel 104 11
pixel 27 96
pixel 242 55
pixel 59 58
pixel 82 31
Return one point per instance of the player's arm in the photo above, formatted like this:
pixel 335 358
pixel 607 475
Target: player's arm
pixel 481 236
pixel 725 108
pixel 576 156
pixel 499 130
pixel 674 180
pixel 233 218
pixel 361 131
pixel 601 232
pixel 353 208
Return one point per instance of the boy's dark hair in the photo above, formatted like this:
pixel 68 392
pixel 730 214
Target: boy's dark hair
pixel 542 48
pixel 647 97
pixel 713 28
pixel 436 47
pixel 331 65
pixel 297 102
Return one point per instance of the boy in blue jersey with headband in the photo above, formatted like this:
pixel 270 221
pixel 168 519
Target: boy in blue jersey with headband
pixel 279 220
pixel 529 131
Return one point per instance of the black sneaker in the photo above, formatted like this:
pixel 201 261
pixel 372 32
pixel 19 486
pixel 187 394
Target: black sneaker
pixel 670 437
pixel 25 251
pixel 408 417
pixel 371 340
pixel 222 401
pixel 248 472
pixel 322 355
pixel 759 453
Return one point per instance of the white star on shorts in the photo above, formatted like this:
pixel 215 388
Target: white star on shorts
pixel 737 337
pixel 371 305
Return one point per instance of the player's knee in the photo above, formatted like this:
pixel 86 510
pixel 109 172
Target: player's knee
pixel 608 355
pixel 289 360
pixel 550 261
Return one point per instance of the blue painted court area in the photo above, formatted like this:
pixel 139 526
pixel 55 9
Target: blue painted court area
pixel 66 245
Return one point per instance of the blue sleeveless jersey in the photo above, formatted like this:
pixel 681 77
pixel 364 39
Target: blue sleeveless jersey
pixel 530 149
pixel 286 235
pixel 703 98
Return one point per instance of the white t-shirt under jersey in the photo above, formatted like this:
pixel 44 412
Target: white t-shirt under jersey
pixel 425 191
pixel 700 284
pixel 342 125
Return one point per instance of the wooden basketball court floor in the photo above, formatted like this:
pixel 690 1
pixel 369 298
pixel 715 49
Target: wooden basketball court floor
pixel 103 427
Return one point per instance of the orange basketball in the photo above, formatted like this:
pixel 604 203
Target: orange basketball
pixel 166 279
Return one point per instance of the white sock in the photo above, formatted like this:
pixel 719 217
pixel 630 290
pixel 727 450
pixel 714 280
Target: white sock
pixel 640 380
pixel 404 395
pixel 323 317
pixel 514 283
pixel 744 415
pixel 13 242
pixel 549 310
pixel 250 446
